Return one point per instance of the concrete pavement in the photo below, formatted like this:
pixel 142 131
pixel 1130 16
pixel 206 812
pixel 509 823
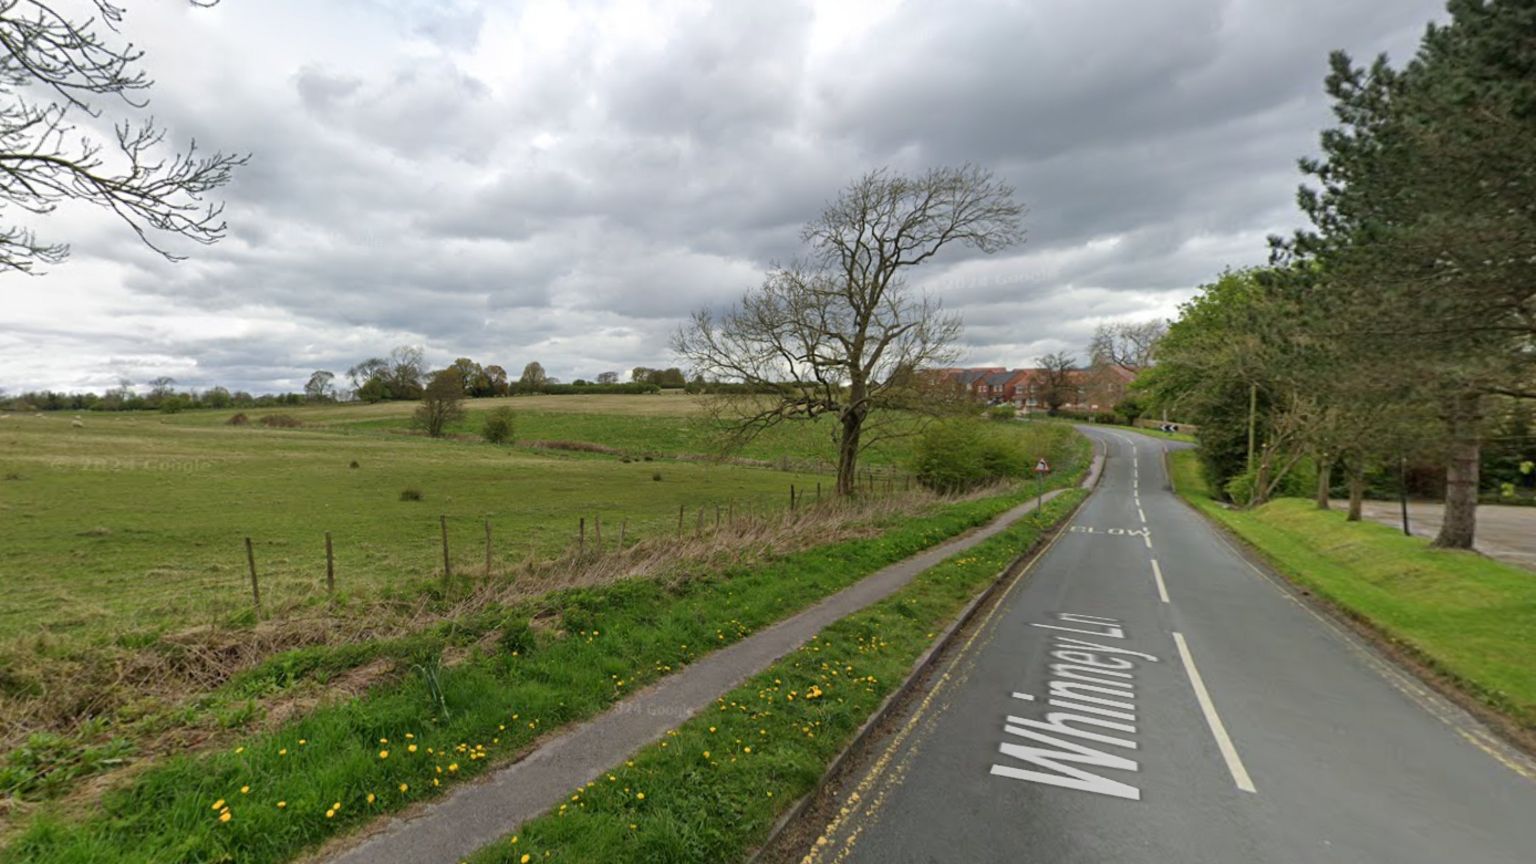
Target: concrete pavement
pixel 1146 695
pixel 1505 533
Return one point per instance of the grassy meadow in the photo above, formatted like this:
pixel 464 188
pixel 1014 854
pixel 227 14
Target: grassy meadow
pixel 128 643
pixel 1470 617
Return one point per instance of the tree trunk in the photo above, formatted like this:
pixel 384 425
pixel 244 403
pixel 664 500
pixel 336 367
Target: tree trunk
pixel 848 453
pixel 1356 490
pixel 1324 476
pixel 1459 523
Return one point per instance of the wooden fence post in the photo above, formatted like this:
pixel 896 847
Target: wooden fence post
pixel 680 519
pixel 442 520
pixel 791 496
pixel 818 490
pixel 597 525
pixel 623 529
pixel 330 567
pixel 250 557
pixel 581 537
pixel 487 550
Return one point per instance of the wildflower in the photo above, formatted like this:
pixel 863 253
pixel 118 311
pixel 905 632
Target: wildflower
pixel 639 796
pixel 453 767
pixel 410 748
pixel 747 750
pixel 706 754
pixel 283 752
pixel 330 814
pixel 218 805
pixel 370 797
pixel 383 754
pixel 405 787
pixel 525 859
pixel 245 790
pixel 383 740
pixel 282 805
pixel 303 741
pixel 239 749
pixel 224 817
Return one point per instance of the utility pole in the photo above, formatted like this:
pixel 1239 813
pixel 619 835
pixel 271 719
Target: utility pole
pixel 1253 421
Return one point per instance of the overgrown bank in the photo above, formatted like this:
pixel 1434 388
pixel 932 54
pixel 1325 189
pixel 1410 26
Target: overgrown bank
pixel 1468 617
pixel 712 788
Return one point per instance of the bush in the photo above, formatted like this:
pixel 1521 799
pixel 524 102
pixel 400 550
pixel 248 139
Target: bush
pixel 656 475
pixel 239 420
pixel 411 493
pixel 498 426
pixel 1002 412
pixel 517 637
pixel 958 455
pixel 1298 483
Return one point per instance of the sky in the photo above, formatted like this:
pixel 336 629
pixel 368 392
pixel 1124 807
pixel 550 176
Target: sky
pixel 566 181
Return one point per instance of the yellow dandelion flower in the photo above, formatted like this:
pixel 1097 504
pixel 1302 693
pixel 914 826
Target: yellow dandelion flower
pixel 452 767
pixel 283 752
pixel 639 796
pixel 282 805
pixel 706 754
pixel 746 749
pixel 303 741
pixel 370 797
pixel 410 748
pixel 239 749
pixel 330 814
pixel 245 790
pixel 218 805
pixel 224 817
pixel 383 754
pixel 405 787
pixel 525 859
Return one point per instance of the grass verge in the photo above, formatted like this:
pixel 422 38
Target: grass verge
pixel 712 788
pixel 1467 617
pixel 554 661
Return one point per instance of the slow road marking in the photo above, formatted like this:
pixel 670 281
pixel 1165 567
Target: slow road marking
pixel 1213 720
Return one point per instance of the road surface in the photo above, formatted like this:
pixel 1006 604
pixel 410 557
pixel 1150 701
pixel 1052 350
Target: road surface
pixel 1146 695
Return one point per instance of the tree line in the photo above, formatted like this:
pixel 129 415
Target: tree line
pixel 1399 327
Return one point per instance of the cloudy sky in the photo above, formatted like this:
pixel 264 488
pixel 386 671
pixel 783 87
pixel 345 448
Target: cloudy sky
pixel 564 181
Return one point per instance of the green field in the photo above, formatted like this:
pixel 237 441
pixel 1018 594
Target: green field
pixel 1470 617
pixel 128 632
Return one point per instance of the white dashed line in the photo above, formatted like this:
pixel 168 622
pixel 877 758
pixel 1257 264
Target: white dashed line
pixel 1157 573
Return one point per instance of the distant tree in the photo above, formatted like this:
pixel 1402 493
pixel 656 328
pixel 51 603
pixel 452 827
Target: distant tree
pixel 58 61
pixel 368 370
pixel 830 335
pixel 217 397
pixel 495 381
pixel 407 369
pixel 321 386
pixel 442 402
pixel 642 375
pixel 470 373
pixel 607 377
pixel 579 382
pixel 533 376
pixel 1057 387
pixel 670 377
pixel 1129 346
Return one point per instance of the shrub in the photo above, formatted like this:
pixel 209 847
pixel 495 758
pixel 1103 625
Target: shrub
pixel 1297 483
pixel 411 493
pixel 957 455
pixel 498 426
pixel 239 420
pixel 354 464
pixel 656 475
pixel 517 638
pixel 1001 412
pixel 280 421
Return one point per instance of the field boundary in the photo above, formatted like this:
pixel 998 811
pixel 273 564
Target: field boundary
pixel 479 813
pixel 1016 569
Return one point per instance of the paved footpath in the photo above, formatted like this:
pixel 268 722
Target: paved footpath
pixel 1505 532
pixel 478 814
pixel 1144 694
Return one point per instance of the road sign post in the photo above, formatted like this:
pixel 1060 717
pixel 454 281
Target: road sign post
pixel 1042 468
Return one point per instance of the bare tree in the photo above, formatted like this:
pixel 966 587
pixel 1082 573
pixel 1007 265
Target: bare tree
pixel 607 377
pixel 321 386
pixel 407 369
pixel 842 334
pixel 1130 346
pixel 1056 386
pixel 47 158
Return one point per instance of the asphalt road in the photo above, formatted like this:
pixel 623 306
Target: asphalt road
pixel 1226 723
